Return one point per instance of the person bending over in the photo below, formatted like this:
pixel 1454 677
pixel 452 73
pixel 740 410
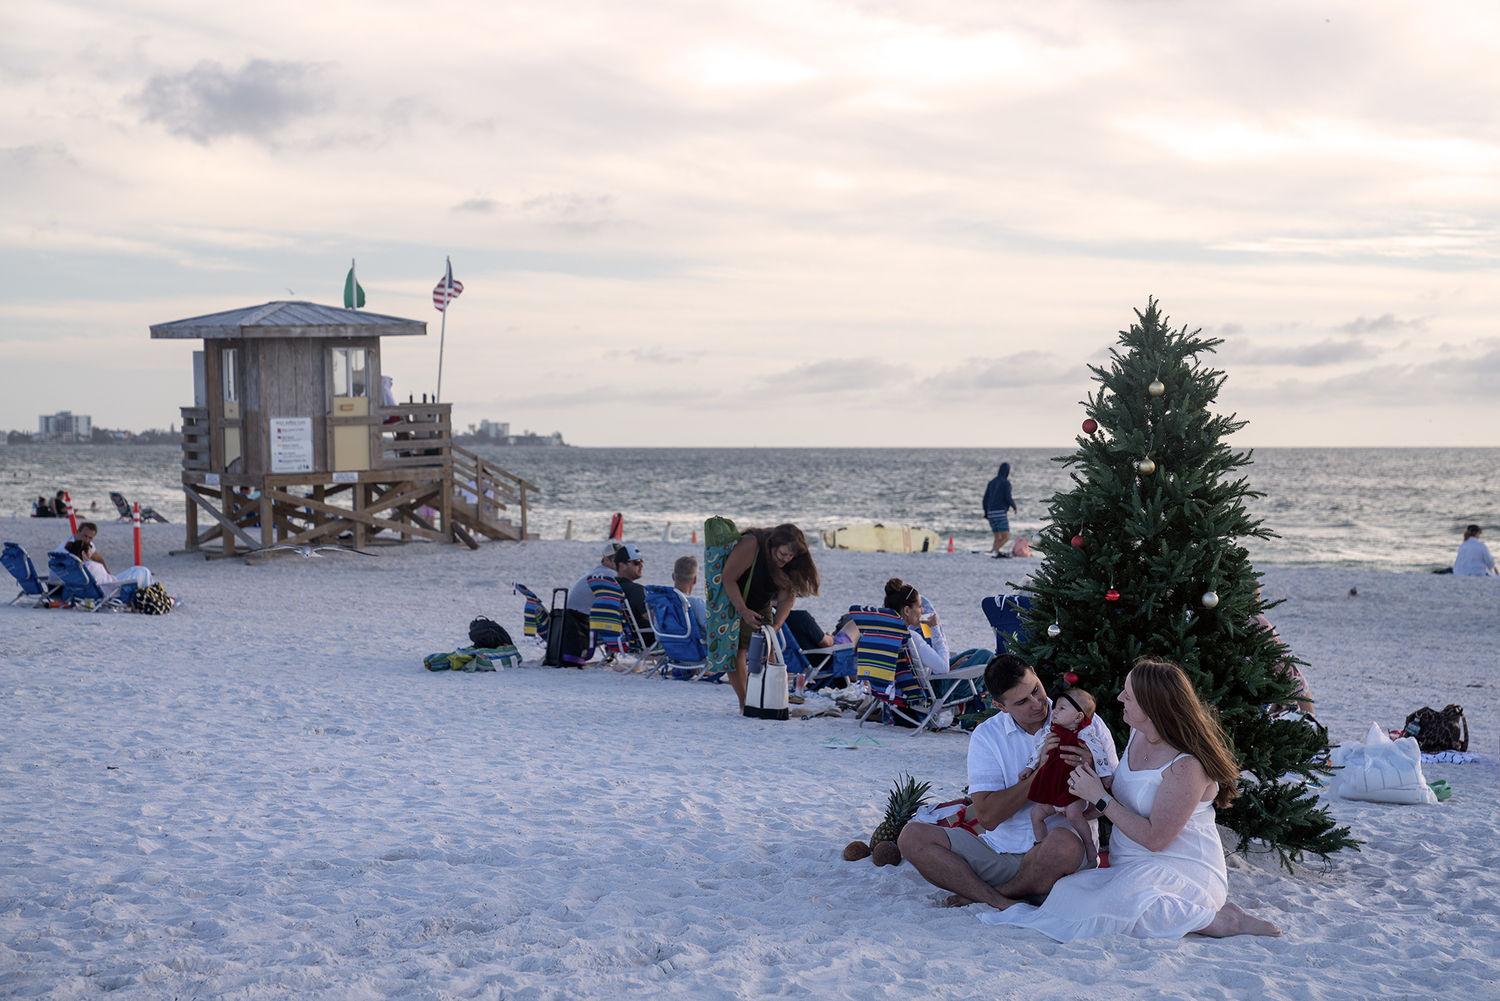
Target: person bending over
pixel 1072 712
pixel 1004 864
pixel 767 565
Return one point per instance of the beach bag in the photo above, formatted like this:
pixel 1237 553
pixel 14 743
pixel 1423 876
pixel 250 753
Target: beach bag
pixel 1438 731
pixel 153 600
pixel 484 632
pixel 954 813
pixel 766 696
pixel 1380 770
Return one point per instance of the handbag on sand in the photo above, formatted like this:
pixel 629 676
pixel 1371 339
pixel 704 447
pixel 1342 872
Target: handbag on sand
pixel 1438 731
pixel 766 696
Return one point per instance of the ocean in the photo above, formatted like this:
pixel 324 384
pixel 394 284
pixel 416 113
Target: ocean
pixel 1397 509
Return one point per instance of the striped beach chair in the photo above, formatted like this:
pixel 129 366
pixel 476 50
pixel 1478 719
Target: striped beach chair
pixel 536 617
pixel 884 664
pixel 610 623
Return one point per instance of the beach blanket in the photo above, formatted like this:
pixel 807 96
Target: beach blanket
pixel 719 536
pixel 471 659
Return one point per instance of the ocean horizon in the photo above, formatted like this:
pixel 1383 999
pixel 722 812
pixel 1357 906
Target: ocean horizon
pixel 1399 509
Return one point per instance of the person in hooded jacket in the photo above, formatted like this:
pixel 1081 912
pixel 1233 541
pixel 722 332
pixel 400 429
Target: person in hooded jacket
pixel 997 505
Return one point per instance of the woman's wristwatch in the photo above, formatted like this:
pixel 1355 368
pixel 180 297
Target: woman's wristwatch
pixel 1103 801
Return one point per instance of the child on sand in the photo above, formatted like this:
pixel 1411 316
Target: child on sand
pixel 1072 711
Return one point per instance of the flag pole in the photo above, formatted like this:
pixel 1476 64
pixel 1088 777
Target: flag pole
pixel 443 334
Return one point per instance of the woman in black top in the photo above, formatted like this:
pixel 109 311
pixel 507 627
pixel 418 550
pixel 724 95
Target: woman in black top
pixel 777 567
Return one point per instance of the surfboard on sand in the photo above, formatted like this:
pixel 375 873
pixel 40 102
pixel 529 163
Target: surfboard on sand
pixel 883 539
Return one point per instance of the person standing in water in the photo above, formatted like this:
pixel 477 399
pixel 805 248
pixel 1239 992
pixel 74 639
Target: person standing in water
pixel 997 505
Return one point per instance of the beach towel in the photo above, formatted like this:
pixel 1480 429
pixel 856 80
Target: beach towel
pixel 720 536
pixel 471 659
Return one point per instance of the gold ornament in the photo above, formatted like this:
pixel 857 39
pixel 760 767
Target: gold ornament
pixel 1145 467
pixel 1156 388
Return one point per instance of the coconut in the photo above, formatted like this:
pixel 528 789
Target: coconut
pixel 856 850
pixel 886 853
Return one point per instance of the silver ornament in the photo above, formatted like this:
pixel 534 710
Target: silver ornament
pixel 1156 388
pixel 1054 630
pixel 1145 467
pixel 1210 600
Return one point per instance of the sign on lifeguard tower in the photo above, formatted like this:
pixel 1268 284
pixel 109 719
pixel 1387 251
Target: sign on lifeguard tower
pixel 291 444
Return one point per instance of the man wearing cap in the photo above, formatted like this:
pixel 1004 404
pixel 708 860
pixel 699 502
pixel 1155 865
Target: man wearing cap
pixel 629 565
pixel 580 601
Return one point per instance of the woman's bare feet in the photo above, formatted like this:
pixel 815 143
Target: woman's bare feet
pixel 1233 919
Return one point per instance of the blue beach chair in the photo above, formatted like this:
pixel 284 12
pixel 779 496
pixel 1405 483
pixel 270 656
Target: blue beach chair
pixel 685 654
pixel 24 571
pixel 79 589
pixel 1006 615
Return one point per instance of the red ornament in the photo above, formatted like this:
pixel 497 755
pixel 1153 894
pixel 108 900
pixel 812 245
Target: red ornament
pixel 1078 541
pixel 1070 678
pixel 1111 595
pixel 1090 426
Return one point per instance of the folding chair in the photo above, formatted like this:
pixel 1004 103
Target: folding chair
pixel 123 506
pixel 1006 615
pixel 80 588
pixel 677 633
pixel 901 685
pixel 535 617
pixel 24 571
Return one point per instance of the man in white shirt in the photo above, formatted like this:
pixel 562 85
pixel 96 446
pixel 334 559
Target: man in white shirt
pixel 1005 864
pixel 575 649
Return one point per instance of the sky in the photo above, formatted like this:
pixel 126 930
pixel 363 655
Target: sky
pixel 707 222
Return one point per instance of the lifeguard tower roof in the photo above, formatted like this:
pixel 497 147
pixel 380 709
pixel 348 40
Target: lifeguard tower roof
pixel 288 319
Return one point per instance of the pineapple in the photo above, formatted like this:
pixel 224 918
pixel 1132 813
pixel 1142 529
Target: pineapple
pixel 906 798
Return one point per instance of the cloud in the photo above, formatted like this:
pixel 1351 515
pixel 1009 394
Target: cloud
pixel 836 375
pixel 1471 375
pixel 654 355
pixel 259 100
pixel 483 205
pixel 1026 368
pixel 1325 352
pixel 1384 324
pixel 35 157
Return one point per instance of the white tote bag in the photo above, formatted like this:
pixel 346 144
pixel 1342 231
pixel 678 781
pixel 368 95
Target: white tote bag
pixel 766 697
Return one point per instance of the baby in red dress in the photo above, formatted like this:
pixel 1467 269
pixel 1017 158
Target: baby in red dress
pixel 1072 711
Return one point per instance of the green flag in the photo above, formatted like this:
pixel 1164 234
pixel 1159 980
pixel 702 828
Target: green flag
pixel 354 293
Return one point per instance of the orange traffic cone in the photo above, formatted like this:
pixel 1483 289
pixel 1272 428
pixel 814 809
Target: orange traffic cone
pixel 950 543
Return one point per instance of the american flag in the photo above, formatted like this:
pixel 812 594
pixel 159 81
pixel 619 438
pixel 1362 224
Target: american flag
pixel 446 290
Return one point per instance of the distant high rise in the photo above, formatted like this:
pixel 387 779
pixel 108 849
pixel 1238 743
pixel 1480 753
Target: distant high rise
pixel 491 429
pixel 64 426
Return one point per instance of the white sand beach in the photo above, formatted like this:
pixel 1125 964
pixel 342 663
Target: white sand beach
pixel 264 794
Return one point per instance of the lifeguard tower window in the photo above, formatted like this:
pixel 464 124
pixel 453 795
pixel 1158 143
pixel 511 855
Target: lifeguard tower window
pixel 229 365
pixel 350 408
pixel 349 372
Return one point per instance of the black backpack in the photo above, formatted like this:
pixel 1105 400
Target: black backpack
pixel 488 634
pixel 1438 731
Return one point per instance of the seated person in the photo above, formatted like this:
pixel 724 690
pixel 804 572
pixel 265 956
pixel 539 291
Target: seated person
pixel 87 530
pixel 629 566
pixel 1473 558
pixel 90 559
pixel 1004 864
pixel 903 599
pixel 685 578
pixel 575 644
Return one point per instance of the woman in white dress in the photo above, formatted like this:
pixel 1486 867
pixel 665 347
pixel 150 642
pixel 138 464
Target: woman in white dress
pixel 1166 877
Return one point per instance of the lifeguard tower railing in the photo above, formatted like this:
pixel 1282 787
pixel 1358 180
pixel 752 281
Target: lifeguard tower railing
pixel 420 485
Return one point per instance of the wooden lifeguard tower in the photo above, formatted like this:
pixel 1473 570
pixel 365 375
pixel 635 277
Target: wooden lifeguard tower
pixel 292 430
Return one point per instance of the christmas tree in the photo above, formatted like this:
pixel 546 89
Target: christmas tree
pixel 1143 560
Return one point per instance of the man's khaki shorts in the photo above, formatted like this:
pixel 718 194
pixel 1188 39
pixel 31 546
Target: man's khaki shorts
pixel 995 868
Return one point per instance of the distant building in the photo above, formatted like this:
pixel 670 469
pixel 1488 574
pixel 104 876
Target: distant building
pixel 65 427
pixel 492 429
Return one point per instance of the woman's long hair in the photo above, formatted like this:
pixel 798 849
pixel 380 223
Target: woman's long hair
pixel 1186 722
pixel 899 594
pixel 800 575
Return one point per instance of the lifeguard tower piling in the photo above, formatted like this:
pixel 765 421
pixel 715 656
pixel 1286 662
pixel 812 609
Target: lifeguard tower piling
pixel 293 432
